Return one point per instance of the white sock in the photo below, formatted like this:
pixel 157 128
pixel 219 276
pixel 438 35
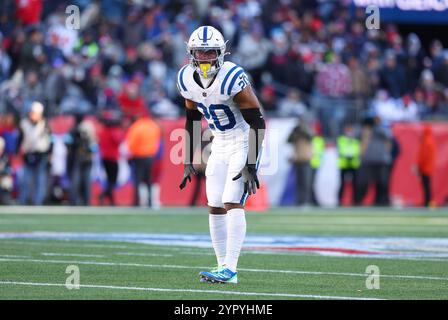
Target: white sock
pixel 218 233
pixel 235 237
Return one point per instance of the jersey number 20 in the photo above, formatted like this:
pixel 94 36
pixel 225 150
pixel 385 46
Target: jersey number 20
pixel 210 112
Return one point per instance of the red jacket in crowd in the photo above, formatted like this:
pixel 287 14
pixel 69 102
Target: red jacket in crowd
pixel 131 101
pixel 29 11
pixel 110 139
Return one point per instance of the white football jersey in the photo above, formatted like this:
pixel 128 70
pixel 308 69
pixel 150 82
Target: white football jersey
pixel 216 102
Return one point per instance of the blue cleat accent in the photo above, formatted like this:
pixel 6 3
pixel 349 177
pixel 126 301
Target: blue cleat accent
pixel 222 276
pixel 215 269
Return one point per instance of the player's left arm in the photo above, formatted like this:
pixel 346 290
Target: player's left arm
pixel 249 106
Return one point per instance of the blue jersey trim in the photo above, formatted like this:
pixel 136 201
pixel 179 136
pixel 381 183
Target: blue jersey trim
pixel 225 79
pixel 229 90
pixel 181 81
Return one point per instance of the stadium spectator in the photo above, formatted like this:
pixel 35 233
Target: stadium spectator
pixel 435 51
pixel 9 132
pixel 13 46
pixel 29 11
pixel 143 141
pixel 81 147
pixel 132 29
pixel 441 70
pixel 318 149
pixel 427 83
pixel 415 56
pixel 333 85
pixel 292 105
pixel 408 109
pixel 278 60
pixel 110 138
pixel 252 50
pixel 373 65
pixel 376 158
pixel 131 101
pixel 86 45
pixel 426 163
pixel 432 105
pixel 268 98
pixel 35 144
pixel 334 79
pixel 54 53
pixel 32 90
pixel 395 151
pixel 6 178
pixel 361 85
pixel 55 88
pixel 163 107
pixel 300 73
pixel 300 138
pixel 113 82
pixel 5 62
pixel 349 151
pixel 385 107
pixel 33 53
pixel 134 63
pixel 392 76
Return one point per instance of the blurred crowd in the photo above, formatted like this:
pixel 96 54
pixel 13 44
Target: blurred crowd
pixel 308 59
pixel 299 53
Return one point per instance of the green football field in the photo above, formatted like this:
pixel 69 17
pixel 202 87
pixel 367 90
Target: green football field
pixel 124 253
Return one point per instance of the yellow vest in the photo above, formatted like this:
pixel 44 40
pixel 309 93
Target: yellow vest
pixel 318 144
pixel 349 150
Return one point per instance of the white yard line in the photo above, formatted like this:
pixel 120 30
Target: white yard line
pixel 137 254
pixel 240 293
pixel 170 266
pixel 19 221
pixel 12 256
pixel 137 246
pixel 199 253
pixel 69 243
pixel 51 254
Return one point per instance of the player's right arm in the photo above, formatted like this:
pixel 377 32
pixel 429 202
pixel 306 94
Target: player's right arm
pixel 192 139
pixel 250 110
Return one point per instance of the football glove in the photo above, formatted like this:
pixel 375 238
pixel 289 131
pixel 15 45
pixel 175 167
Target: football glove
pixel 188 169
pixel 249 174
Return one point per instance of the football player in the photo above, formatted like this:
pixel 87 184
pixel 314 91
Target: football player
pixel 220 91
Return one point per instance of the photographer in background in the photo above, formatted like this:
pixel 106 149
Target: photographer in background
pixel 376 159
pixel 35 143
pixel 301 139
pixel 81 147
